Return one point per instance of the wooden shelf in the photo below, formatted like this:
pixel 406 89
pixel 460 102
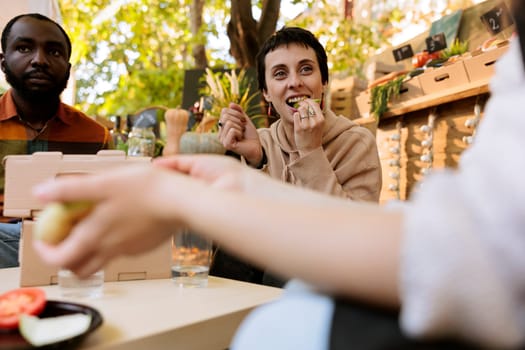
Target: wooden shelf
pixel 438 98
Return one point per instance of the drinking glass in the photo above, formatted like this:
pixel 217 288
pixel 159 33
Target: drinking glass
pixel 191 258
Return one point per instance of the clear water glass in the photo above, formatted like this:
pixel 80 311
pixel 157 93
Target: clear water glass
pixel 191 257
pixel 74 287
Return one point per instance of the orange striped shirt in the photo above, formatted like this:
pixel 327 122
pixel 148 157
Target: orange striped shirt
pixel 69 131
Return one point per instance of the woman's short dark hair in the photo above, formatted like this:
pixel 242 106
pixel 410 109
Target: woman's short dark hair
pixel 287 36
pixel 9 25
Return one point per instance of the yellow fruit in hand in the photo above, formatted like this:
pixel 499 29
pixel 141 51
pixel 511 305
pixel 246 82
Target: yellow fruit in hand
pixel 57 219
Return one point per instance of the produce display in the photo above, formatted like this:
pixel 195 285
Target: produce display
pixel 385 88
pixel 420 59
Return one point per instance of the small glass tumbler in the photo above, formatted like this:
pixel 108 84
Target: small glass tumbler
pixel 74 287
pixel 191 258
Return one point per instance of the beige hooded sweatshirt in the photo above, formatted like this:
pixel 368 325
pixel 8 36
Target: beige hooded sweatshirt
pixel 346 166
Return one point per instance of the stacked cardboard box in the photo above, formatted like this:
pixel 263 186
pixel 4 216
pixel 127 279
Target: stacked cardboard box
pixel 447 134
pixel 342 96
pixel 480 65
pixel 23 172
pixel 473 67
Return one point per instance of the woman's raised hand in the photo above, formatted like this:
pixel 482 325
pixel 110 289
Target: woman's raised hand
pixel 308 126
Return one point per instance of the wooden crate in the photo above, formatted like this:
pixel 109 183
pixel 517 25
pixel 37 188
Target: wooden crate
pixel 390 138
pixel 414 174
pixel 343 93
pixel 363 104
pixel 415 135
pixel 442 78
pixel 446 160
pixel 409 89
pixel 370 123
pixel 377 69
pixel 450 129
pixel 448 136
pixel 481 65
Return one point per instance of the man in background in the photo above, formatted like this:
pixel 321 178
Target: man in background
pixel 35 60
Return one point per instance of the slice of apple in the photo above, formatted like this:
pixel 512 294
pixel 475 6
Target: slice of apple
pixel 44 331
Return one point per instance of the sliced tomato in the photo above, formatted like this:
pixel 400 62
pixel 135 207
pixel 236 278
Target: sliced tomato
pixel 30 301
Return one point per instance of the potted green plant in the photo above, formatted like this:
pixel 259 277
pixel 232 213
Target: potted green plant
pixel 222 88
pixel 226 87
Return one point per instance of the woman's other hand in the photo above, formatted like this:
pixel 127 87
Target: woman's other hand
pixel 237 133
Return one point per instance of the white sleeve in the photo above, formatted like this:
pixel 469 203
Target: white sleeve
pixel 463 260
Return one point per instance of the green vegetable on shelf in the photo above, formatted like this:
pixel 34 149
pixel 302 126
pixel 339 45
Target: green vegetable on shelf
pixel 380 95
pixel 456 49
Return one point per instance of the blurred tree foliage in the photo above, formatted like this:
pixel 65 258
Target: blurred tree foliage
pixel 131 54
pixel 348 43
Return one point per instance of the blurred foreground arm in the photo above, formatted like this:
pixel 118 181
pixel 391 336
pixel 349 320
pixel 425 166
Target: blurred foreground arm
pixel 322 240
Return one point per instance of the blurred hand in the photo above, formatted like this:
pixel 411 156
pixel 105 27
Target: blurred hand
pixel 136 209
pixel 218 171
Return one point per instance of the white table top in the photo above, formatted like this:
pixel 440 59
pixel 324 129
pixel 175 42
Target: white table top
pixel 156 314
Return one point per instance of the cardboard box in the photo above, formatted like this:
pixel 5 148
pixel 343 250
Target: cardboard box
pixel 481 66
pixel 342 103
pixel 342 96
pixel 442 78
pixel 409 89
pixel 375 70
pixel 23 172
pixel 363 103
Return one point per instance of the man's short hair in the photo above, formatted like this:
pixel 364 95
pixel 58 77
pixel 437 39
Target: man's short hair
pixel 9 25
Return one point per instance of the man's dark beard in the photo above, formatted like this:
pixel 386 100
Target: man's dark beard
pixel 35 96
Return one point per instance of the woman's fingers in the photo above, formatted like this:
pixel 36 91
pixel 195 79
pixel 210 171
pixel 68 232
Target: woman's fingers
pixel 308 126
pixel 231 132
pixel 231 138
pixel 232 115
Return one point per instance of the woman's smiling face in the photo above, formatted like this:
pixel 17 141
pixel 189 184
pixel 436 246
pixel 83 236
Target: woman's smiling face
pixel 292 74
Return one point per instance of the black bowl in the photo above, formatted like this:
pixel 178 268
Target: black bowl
pixel 14 341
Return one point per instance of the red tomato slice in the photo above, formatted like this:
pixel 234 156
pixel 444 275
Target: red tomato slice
pixel 30 301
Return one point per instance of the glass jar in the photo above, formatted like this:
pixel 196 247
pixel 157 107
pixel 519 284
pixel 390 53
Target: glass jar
pixel 120 138
pixel 141 142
